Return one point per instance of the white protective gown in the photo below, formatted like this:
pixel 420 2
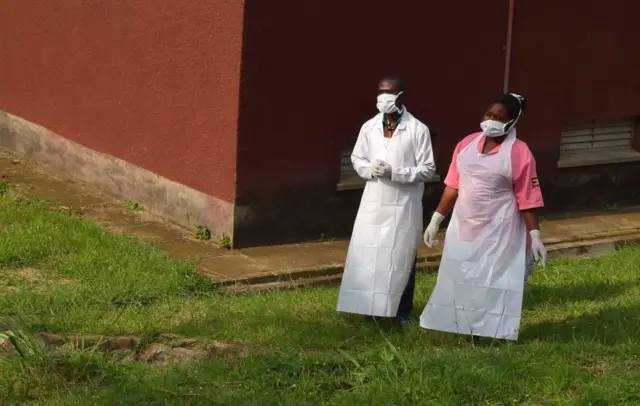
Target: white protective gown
pixel 480 281
pixel 388 226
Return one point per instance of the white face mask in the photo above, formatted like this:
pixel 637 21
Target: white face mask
pixel 493 128
pixel 387 103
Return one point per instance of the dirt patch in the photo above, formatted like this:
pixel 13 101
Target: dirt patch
pixel 163 355
pixel 163 350
pixel 31 277
pixel 597 368
pixel 184 352
pixel 13 279
pixel 5 346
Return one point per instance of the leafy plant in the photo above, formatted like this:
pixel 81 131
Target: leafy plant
pixel 131 205
pixel 224 242
pixel 203 233
pixel 324 238
pixel 27 348
pixel 611 207
pixel 4 187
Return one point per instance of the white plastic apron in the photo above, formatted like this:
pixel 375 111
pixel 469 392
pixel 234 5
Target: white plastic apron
pixel 385 234
pixel 480 281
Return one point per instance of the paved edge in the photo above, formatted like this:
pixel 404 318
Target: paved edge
pixel 332 274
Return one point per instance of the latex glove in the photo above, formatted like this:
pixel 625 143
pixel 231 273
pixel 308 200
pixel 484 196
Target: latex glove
pixel 384 167
pixel 539 251
pixel 376 169
pixel 432 230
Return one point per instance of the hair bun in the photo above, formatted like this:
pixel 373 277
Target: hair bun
pixel 520 98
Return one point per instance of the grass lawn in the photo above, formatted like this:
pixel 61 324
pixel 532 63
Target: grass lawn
pixel 579 344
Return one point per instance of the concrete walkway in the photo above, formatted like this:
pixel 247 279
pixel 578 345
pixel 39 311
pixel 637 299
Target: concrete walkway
pixel 571 235
pixel 586 233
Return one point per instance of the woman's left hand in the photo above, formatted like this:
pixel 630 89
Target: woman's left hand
pixel 539 251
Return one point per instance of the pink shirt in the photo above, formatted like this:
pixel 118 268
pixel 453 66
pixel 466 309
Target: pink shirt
pixel 523 166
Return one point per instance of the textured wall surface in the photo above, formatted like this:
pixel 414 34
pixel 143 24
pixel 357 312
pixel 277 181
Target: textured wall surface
pixel 577 61
pixel 310 73
pixel 252 101
pixel 153 82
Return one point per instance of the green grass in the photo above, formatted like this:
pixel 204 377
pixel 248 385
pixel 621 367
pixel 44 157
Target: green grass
pixel 131 205
pixel 579 344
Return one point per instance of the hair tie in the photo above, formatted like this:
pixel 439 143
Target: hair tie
pixel 518 97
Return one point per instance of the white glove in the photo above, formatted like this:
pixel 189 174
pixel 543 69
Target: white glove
pixel 383 169
pixel 432 229
pixel 376 168
pixel 539 251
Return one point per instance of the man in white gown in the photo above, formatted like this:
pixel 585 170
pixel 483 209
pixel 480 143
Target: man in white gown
pixel 394 154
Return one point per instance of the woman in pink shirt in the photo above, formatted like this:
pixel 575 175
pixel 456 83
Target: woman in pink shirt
pixel 493 237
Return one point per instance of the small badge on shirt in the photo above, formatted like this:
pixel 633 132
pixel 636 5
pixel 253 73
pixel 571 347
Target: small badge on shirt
pixel 535 182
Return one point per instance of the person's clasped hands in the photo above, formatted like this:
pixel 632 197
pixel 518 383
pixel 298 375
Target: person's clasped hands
pixel 380 169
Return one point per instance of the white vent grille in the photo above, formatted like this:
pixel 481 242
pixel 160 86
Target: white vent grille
pixel 598 142
pixel 597 135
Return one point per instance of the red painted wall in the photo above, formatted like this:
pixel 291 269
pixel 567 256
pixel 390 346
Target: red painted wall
pixel 153 82
pixel 159 83
pixel 310 72
pixel 575 60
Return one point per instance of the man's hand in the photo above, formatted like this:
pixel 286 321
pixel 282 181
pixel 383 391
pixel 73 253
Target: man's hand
pixel 381 169
pixel 539 251
pixel 376 169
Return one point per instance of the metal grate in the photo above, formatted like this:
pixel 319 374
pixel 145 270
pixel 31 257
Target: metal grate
pixel 597 135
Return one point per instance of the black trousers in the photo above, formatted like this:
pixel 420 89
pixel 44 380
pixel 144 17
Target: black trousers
pixel 406 301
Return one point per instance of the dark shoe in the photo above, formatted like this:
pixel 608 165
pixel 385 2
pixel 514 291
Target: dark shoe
pixel 405 318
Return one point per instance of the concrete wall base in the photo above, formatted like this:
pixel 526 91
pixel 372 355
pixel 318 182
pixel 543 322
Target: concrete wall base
pixel 307 214
pixel 177 203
